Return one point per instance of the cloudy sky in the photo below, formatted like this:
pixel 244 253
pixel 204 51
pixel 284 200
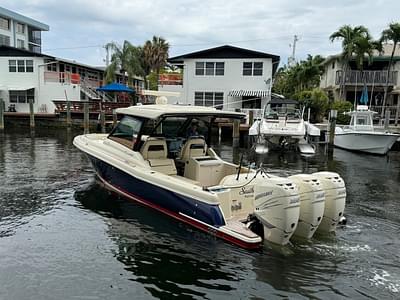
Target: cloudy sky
pixel 79 28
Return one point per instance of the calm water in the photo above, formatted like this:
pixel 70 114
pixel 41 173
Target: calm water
pixel 64 237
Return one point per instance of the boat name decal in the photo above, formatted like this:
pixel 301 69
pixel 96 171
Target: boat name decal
pixel 247 192
pixel 265 194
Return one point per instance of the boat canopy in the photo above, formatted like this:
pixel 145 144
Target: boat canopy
pixel 154 111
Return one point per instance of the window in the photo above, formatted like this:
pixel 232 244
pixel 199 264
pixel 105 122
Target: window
pixel 4 40
pixel 252 69
pixel 29 66
pixel 333 65
pixel 127 128
pixel 22 96
pixel 4 23
pixel 52 67
pixel 20 44
pixel 210 68
pixel 21 65
pixel 214 99
pixel 200 68
pixel 20 28
pixel 12 65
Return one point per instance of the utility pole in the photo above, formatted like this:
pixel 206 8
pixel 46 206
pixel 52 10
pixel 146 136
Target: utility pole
pixel 291 59
pixel 107 47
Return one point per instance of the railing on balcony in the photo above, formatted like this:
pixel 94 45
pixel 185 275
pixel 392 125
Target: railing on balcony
pixel 94 106
pixel 365 77
pixel 62 77
pixel 170 79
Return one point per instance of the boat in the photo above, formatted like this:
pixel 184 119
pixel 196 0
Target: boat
pixel 360 134
pixel 282 126
pixel 160 156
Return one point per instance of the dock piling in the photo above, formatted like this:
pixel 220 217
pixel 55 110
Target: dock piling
pixel 69 121
pixel 332 126
pixel 103 121
pixel 115 119
pixel 1 114
pixel 31 114
pixel 86 118
pixel 387 119
pixel 236 133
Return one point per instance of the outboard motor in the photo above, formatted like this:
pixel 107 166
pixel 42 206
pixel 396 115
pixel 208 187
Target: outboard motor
pixel 276 205
pixel 335 200
pixel 312 204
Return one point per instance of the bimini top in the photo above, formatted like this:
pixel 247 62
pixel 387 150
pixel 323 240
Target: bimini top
pixel 154 111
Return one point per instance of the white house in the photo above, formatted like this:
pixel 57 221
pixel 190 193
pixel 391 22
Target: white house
pixel 21 32
pixel 226 77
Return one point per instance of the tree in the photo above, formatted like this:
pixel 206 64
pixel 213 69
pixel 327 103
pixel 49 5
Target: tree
pixel 315 99
pixel 348 35
pixel 155 55
pixel 125 59
pixel 364 46
pixel 390 34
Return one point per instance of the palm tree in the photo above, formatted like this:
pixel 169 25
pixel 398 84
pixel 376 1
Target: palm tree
pixel 125 59
pixel 365 46
pixel 348 35
pixel 390 34
pixel 155 55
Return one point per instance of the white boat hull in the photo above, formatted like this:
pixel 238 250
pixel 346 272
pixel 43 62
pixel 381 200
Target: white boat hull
pixel 370 142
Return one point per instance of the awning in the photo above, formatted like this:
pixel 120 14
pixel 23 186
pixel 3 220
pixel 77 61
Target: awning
pixel 15 88
pixel 254 93
pixel 115 87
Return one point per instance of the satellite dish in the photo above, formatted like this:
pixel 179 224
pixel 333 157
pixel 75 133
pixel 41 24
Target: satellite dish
pixel 161 100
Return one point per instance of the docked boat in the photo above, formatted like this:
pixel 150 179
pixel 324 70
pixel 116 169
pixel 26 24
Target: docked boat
pixel 283 127
pixel 160 157
pixel 360 134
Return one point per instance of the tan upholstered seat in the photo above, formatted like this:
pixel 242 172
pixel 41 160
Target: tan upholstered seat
pixel 155 151
pixel 194 147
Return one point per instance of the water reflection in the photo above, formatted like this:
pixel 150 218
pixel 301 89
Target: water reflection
pixel 167 257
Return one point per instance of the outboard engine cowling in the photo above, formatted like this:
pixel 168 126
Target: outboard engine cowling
pixel 335 200
pixel 276 205
pixel 312 204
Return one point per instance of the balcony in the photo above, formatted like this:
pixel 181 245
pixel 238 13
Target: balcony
pixel 365 77
pixel 170 79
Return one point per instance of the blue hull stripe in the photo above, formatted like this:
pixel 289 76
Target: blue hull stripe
pixel 167 199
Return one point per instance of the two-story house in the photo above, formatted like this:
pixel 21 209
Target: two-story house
pixel 20 31
pixel 348 82
pixel 225 77
pixel 28 74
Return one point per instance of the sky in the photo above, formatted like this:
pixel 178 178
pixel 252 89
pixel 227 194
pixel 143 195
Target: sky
pixel 80 28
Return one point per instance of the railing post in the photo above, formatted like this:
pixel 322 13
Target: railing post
pixel 1 114
pixel 332 126
pixel 387 118
pixel 396 120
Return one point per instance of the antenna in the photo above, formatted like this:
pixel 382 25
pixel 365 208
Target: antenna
pixel 292 59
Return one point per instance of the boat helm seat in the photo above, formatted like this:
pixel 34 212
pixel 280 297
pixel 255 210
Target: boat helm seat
pixel 195 146
pixel 155 151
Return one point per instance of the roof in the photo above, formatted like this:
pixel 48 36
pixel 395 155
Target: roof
pixel 22 19
pixel 12 51
pixel 154 111
pixel 384 56
pixel 226 51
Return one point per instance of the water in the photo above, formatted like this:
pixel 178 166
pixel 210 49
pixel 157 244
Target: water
pixel 62 236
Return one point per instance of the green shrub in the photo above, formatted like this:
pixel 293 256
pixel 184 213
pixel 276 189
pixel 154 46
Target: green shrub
pixel 342 106
pixel 315 99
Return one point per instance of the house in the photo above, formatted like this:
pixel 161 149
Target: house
pixel 225 77
pixel 28 74
pixel 20 32
pixel 348 83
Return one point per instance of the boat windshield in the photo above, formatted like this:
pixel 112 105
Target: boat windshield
pixel 289 111
pixel 126 131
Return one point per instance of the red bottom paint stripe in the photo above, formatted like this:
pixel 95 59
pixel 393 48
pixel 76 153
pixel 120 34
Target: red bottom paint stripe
pixel 208 229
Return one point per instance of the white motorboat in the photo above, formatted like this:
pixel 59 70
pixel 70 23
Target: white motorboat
pixel 283 126
pixel 360 134
pixel 150 158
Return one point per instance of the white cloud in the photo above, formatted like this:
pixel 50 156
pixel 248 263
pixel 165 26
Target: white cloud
pixel 192 25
